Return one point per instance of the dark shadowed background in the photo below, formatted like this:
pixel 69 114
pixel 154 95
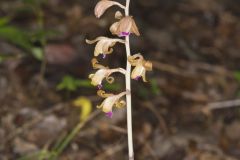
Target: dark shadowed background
pixel 188 110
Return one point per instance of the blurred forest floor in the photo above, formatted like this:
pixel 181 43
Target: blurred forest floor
pixel 188 110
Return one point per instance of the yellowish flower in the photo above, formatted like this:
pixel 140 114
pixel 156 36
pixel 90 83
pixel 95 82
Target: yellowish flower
pixel 111 101
pixel 124 27
pixel 103 73
pixel 104 45
pixel 141 66
pixel 103 5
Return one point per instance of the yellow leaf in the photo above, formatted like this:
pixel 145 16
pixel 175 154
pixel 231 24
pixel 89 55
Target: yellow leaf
pixel 85 105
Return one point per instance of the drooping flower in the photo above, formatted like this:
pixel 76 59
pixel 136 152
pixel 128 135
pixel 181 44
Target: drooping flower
pixel 141 66
pixel 103 73
pixel 103 5
pixel 104 45
pixel 124 27
pixel 111 100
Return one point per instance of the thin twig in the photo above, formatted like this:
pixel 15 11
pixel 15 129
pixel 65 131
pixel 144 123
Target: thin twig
pixel 224 104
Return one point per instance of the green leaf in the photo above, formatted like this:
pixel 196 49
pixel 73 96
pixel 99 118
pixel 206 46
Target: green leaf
pixel 38 53
pixel 15 36
pixel 42 35
pixel 4 57
pixel 67 83
pixel 4 21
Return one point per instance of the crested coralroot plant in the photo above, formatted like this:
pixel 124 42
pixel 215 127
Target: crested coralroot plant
pixel 123 28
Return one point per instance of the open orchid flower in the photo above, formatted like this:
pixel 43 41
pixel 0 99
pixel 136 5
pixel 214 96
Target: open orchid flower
pixel 111 101
pixel 104 45
pixel 103 5
pixel 103 73
pixel 124 27
pixel 141 66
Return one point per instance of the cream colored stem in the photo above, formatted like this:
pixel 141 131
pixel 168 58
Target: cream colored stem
pixel 120 5
pixel 128 96
pixel 121 70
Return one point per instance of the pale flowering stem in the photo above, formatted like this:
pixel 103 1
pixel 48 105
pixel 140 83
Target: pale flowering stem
pixel 121 70
pixel 120 5
pixel 128 96
pixel 120 40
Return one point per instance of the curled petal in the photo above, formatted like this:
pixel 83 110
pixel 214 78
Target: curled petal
pixel 135 59
pixel 103 5
pixel 120 104
pixel 110 80
pixel 103 94
pixel 96 64
pixel 99 106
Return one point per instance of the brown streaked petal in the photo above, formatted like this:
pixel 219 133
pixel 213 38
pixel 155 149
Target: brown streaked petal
pixel 125 24
pixel 148 65
pixel 134 28
pixel 114 28
pixel 103 5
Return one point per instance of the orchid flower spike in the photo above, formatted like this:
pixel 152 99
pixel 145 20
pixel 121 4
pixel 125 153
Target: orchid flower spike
pixel 125 26
pixel 141 66
pixel 111 101
pixel 103 5
pixel 104 45
pixel 103 73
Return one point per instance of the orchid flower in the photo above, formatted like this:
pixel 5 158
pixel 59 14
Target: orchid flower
pixel 104 45
pixel 103 5
pixel 124 27
pixel 141 66
pixel 103 72
pixel 110 101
